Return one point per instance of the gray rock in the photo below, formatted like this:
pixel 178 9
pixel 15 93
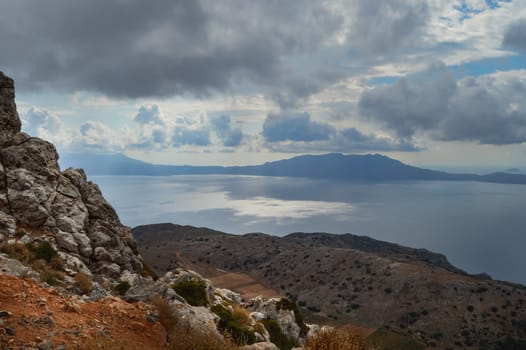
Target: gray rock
pixel 34 193
pixel 9 121
pixel 7 224
pixel 66 241
pixel 10 331
pixel 100 253
pixel 13 267
pixel 260 346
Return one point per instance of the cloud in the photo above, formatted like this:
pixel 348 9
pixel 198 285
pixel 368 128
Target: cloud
pixel 489 109
pixel 99 137
pixel 160 49
pixel 46 125
pixel 515 35
pixel 231 137
pixel 347 141
pixel 294 127
pixel 196 137
pixel 379 28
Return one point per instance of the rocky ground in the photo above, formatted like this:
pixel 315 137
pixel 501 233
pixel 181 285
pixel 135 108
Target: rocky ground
pixel 351 279
pixel 38 317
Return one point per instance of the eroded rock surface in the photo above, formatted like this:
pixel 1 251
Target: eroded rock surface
pixel 36 197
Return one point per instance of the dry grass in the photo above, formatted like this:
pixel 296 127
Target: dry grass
pixel 183 338
pixel 104 343
pixel 335 340
pixel 84 282
pixel 241 316
pixel 42 258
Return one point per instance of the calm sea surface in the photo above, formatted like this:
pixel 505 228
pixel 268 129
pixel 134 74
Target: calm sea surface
pixel 480 227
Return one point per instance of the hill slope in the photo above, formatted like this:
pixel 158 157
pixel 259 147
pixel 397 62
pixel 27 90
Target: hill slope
pixel 352 279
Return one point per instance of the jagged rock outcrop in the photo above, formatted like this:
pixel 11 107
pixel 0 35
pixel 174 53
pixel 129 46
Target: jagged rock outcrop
pixel 64 208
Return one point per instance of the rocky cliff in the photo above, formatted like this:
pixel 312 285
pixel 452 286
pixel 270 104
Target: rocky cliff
pixel 40 202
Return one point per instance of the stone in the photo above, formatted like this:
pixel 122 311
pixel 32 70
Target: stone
pixel 66 241
pixel 73 264
pixel 260 346
pixel 5 314
pixel 10 331
pixel 13 267
pixel 83 243
pixel 7 224
pixel 198 319
pixel 9 121
pixel 100 253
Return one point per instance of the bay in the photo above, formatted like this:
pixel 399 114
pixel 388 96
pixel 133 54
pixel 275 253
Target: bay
pixel 480 227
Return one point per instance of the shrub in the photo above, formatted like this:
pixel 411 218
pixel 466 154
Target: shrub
pixel 122 287
pixel 335 340
pixel 277 336
pixel 236 325
pixel 44 251
pixel 84 282
pixel 193 291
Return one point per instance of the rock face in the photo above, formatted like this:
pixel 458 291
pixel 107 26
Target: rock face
pixel 9 120
pixel 37 198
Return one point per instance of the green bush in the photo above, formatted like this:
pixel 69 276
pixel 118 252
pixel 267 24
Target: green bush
pixel 44 251
pixel 228 324
pixel 122 287
pixel 193 291
pixel 277 336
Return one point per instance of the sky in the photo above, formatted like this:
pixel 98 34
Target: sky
pixel 432 83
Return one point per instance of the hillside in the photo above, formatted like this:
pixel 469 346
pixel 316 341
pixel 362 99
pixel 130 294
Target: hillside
pixel 369 167
pixel 352 279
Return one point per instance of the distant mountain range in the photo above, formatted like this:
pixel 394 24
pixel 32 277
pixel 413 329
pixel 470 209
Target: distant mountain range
pixel 369 167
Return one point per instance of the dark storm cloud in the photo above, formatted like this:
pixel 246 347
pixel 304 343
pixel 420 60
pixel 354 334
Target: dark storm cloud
pixel 379 28
pixel 346 141
pixel 134 48
pixel 489 109
pixel 294 127
pixel 515 35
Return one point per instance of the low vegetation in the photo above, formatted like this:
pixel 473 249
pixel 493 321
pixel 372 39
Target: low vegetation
pixel 383 339
pixel 42 258
pixel 277 336
pixel 235 323
pixel 335 340
pixel 193 291
pixel 84 282
pixel 122 287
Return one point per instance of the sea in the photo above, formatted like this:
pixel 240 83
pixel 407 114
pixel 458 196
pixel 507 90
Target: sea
pixel 480 227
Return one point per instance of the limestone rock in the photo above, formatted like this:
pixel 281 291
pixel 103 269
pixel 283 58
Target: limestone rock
pixel 260 346
pixel 198 319
pixel 13 267
pixel 9 120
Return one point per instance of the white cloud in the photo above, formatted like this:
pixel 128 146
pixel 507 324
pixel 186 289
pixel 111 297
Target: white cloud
pixel 46 125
